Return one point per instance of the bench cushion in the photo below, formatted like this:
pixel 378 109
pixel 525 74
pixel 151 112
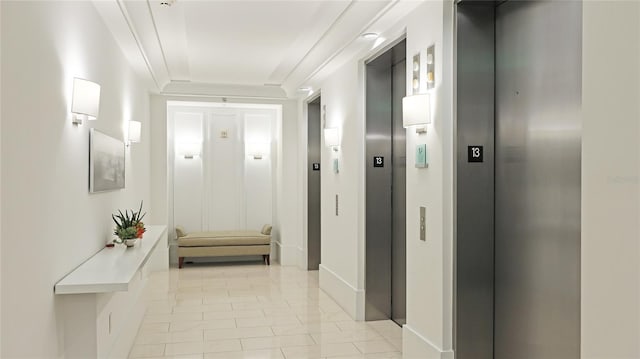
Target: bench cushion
pixel 223 238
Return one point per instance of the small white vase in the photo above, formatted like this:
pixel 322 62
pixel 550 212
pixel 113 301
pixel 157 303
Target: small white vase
pixel 129 242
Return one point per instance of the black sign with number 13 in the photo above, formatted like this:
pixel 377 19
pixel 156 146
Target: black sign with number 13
pixel 475 154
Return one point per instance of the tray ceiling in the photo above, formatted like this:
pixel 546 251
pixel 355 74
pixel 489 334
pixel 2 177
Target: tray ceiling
pixel 236 43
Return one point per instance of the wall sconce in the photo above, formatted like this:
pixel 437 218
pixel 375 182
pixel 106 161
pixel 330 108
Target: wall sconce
pixel 135 128
pixel 423 70
pixel 417 72
pixel 190 149
pixel 85 101
pixel 331 138
pixel 257 150
pixel 416 111
pixel 431 67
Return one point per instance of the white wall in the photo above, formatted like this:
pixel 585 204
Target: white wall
pixel 225 188
pixel 284 156
pixel 188 175
pixel 53 222
pixel 289 228
pixel 222 159
pixel 610 277
pixel 258 178
pixel 429 263
pixel 340 252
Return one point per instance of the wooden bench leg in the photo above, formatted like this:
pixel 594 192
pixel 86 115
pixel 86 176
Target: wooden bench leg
pixel 180 262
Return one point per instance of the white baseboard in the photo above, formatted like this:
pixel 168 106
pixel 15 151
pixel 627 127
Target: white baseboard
pixel 287 255
pixel 416 346
pixel 349 298
pixel 302 259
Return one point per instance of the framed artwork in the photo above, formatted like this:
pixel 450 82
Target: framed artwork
pixel 106 162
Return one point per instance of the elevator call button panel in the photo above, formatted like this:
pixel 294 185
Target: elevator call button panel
pixel 315 166
pixel 475 154
pixel 378 161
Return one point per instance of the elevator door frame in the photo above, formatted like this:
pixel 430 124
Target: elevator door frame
pixel 475 231
pixel 474 214
pixel 378 219
pixel 314 242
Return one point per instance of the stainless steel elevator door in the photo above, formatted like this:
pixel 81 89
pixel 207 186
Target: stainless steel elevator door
pixel 538 140
pixel 378 190
pixel 313 185
pixel 385 249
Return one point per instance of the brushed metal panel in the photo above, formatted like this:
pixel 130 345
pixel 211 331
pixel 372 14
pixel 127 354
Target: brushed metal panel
pixel 313 185
pixel 378 189
pixel 474 246
pixel 385 278
pixel 538 140
pixel 399 189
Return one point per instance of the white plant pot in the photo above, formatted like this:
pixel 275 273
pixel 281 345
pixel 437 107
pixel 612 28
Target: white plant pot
pixel 130 242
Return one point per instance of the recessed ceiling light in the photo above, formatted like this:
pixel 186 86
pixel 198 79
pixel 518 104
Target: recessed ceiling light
pixel 304 89
pixel 370 35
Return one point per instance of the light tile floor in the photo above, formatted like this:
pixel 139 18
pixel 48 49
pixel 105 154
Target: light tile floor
pixel 253 311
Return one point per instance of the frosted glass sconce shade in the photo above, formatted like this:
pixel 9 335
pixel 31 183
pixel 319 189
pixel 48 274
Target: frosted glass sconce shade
pixel 85 102
pixel 135 128
pixel 190 149
pixel 416 110
pixel 331 137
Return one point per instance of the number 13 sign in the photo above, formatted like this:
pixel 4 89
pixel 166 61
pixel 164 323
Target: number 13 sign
pixel 475 154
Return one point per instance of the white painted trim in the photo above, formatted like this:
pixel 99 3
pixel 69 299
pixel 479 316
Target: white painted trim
pixel 351 299
pixel 205 104
pixel 360 302
pixel 336 53
pixel 302 259
pixel 157 36
pixel 414 345
pixel 288 255
pixel 205 95
pixel 136 38
pixel 303 147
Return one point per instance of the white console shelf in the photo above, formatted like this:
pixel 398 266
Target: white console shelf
pixel 111 269
pixel 103 299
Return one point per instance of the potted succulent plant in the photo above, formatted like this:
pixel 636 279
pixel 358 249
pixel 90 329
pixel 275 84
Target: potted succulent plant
pixel 129 226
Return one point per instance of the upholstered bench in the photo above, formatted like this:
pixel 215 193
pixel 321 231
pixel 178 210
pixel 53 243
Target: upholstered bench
pixel 224 243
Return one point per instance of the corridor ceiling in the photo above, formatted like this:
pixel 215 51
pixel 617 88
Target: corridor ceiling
pixel 270 46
